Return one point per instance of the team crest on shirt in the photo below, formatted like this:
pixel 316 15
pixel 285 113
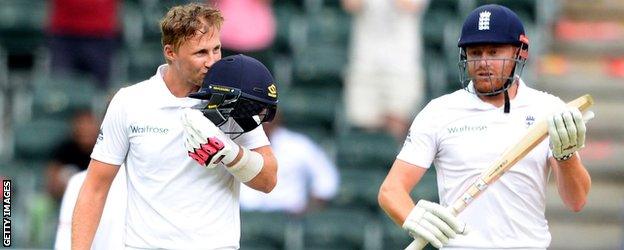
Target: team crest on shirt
pixel 408 139
pixel 100 136
pixel 529 120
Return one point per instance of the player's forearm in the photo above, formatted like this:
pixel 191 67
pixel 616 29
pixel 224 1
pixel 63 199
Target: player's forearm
pixel 266 180
pixel 573 183
pixel 395 201
pixel 86 217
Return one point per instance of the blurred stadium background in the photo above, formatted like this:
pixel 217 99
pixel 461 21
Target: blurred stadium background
pixel 576 47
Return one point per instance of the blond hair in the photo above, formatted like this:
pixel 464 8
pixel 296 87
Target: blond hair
pixel 181 22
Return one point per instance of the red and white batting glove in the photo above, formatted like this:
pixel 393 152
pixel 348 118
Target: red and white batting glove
pixel 205 142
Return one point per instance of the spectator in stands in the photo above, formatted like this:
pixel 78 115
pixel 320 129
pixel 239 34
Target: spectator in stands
pixel 249 28
pixel 83 37
pixel 306 177
pixel 384 83
pixel 72 155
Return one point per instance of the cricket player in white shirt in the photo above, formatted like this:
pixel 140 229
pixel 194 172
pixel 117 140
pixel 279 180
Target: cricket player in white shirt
pixel 185 157
pixel 462 133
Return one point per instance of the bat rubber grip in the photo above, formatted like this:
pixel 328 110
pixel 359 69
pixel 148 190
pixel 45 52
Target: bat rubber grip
pixel 417 244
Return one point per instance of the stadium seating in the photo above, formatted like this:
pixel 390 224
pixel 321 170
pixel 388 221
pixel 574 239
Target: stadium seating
pixel 319 66
pixel 524 8
pixel 265 230
pixel 320 47
pixel 60 96
pixel 366 150
pixel 359 188
pixel 339 229
pixel 394 236
pixel 143 61
pixel 36 139
pixel 22 25
pixel 433 25
pixel 328 26
pixel 310 106
pixel 284 15
pixel 438 78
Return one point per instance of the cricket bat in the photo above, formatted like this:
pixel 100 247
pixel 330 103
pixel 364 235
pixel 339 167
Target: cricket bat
pixel 517 151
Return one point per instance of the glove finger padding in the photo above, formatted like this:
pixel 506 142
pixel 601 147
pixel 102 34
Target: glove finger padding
pixel 555 141
pixel 434 223
pixel 562 131
pixel 200 125
pixel 571 129
pixel 433 229
pixel 441 225
pixel 580 127
pixel 566 131
pixel 444 214
pixel 192 137
pixel 413 226
pixel 206 143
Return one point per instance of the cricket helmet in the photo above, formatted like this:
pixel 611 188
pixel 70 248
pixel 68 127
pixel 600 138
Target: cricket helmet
pixel 493 24
pixel 241 88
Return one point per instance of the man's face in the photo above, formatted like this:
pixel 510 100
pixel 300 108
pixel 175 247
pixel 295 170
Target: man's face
pixel 196 55
pixel 490 65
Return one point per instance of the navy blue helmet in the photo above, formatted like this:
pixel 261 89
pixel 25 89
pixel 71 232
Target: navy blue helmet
pixel 238 87
pixel 493 24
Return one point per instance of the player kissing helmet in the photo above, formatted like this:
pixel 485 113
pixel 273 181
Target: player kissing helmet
pixel 493 24
pixel 238 87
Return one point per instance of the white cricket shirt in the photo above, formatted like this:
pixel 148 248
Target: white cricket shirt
pixel 303 169
pixel 462 135
pixel 111 230
pixel 173 202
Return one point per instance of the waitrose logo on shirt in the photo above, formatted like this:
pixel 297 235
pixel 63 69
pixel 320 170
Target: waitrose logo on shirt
pixel 467 128
pixel 148 130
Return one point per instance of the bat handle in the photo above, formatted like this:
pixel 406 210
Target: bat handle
pixel 417 244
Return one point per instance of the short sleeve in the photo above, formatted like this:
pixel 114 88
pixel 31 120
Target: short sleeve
pixel 112 143
pixel 421 145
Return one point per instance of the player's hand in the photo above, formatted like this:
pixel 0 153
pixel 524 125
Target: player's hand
pixel 205 142
pixel 567 133
pixel 433 223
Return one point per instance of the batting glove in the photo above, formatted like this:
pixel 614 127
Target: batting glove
pixel 567 133
pixel 205 142
pixel 433 223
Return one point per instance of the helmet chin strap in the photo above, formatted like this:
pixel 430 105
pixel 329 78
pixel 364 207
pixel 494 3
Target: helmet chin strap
pixel 507 85
pixel 505 91
pixel 507 103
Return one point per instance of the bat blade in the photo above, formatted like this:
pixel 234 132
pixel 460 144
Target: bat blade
pixel 511 156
